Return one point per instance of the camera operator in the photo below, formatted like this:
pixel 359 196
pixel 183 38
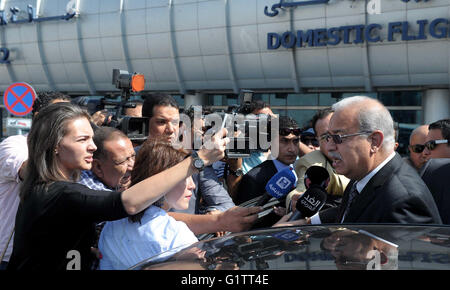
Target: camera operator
pixel 237 167
pixel 101 118
pixel 210 196
pixel 253 183
pixel 136 111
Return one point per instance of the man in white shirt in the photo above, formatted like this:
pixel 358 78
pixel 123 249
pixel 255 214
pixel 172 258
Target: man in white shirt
pixel 13 156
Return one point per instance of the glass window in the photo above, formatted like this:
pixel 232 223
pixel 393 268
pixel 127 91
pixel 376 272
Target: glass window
pixel 179 99
pixel 279 112
pixel 327 99
pixel 231 100
pixel 410 98
pixel 302 99
pixel 370 95
pixel 408 120
pixel 302 117
pixel 407 116
pixel 216 100
pixel 262 97
pixel 278 99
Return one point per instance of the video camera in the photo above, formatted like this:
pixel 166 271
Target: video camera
pixel 136 128
pixel 255 130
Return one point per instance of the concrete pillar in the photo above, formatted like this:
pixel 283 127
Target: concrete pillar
pixel 195 99
pixel 436 105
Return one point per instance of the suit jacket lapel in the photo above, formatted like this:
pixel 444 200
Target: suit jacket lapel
pixel 369 192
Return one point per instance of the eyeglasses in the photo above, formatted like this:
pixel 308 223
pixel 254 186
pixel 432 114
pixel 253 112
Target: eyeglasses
pixel 287 131
pixel 128 161
pixel 338 139
pixel 309 141
pixel 417 148
pixel 431 145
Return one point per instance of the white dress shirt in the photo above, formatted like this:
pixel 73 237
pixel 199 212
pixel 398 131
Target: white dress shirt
pixel 13 153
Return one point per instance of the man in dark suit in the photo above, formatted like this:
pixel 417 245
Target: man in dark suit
pixel 435 174
pixel 383 189
pixel 438 140
pixel 254 182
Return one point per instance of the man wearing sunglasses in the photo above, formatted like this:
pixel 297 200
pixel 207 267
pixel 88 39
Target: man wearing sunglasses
pixel 308 138
pixel 436 171
pixel 417 139
pixel 383 188
pixel 253 183
pixel 438 140
pixel 337 184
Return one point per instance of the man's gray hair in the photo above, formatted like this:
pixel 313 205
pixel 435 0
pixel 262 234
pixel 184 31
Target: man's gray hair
pixel 371 118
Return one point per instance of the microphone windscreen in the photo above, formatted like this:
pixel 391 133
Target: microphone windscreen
pixel 316 175
pixel 311 201
pixel 282 183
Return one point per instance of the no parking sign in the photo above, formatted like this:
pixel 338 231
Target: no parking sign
pixel 19 98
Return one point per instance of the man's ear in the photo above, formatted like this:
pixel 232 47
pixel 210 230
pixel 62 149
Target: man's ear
pixel 97 168
pixel 376 139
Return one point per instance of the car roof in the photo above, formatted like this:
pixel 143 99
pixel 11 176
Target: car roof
pixel 309 247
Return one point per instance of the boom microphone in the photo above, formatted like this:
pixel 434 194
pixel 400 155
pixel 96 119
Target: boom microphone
pixel 279 185
pixel 314 198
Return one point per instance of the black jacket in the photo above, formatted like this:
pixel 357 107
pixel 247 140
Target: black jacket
pixel 52 223
pixel 396 194
pixel 435 173
pixel 253 183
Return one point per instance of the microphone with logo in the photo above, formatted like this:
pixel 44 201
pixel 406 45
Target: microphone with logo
pixel 315 196
pixel 279 185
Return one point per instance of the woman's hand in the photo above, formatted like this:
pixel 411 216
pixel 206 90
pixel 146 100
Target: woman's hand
pixel 214 148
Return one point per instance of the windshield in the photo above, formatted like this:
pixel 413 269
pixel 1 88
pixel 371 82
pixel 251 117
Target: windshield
pixel 386 247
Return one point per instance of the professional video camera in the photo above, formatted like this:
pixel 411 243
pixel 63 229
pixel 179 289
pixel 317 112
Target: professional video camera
pixel 136 128
pixel 256 131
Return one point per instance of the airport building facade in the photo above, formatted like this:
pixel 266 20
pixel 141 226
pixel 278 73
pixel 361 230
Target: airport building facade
pixel 299 56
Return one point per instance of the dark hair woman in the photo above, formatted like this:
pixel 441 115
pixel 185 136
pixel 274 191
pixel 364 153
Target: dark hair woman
pixel 55 220
pixel 126 242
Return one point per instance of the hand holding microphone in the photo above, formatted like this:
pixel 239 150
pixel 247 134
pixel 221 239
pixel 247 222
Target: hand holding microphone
pixel 279 185
pixel 314 198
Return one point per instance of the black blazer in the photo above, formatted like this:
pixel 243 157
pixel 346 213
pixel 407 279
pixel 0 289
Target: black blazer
pixel 253 183
pixel 435 173
pixel 396 194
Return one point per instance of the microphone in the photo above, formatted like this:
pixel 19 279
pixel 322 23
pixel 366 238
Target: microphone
pixel 279 185
pixel 314 198
pixel 316 175
pixel 309 203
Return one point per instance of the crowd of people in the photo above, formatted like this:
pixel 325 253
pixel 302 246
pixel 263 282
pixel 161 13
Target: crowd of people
pixel 74 183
